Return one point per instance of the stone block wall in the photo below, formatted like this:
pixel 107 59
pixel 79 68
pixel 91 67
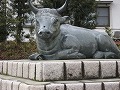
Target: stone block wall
pixel 61 70
pixel 60 75
pixel 15 85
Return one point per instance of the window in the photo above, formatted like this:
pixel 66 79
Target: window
pixel 103 18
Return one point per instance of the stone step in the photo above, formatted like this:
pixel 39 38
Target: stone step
pixel 15 83
pixel 54 70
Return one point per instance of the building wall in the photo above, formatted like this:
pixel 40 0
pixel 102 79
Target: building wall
pixel 114 16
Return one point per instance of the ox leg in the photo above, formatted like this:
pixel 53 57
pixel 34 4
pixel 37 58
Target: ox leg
pixel 70 48
pixel 98 55
pixel 65 54
pixel 76 55
pixel 110 55
pixel 36 56
pixel 105 55
pixel 70 54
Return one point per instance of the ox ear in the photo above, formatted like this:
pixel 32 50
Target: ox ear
pixel 65 20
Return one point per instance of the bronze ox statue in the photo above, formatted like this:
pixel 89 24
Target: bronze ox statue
pixel 57 40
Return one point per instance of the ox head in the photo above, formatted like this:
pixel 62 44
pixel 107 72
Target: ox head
pixel 48 20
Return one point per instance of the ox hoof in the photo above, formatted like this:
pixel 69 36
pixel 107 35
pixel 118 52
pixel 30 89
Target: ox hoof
pixel 98 55
pixel 80 56
pixel 36 56
pixel 110 55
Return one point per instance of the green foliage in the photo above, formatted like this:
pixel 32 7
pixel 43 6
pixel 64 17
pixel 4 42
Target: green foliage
pixel 82 12
pixel 52 3
pixel 20 7
pixel 12 50
pixel 3 31
pixel 108 31
pixel 7 21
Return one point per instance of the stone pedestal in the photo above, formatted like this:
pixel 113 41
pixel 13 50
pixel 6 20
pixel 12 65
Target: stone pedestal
pixel 60 75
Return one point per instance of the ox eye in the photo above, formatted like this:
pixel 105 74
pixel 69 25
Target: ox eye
pixel 37 23
pixel 55 22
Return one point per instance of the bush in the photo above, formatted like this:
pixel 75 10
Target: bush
pixel 10 50
pixel 3 37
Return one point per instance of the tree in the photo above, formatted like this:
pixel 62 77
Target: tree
pixel 51 3
pixel 20 7
pixel 82 12
pixel 6 20
pixel 3 31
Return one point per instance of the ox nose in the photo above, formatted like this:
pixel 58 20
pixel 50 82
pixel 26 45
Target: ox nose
pixel 44 33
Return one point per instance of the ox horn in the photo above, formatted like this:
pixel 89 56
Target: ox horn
pixel 63 8
pixel 33 8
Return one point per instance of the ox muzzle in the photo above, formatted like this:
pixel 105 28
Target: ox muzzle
pixel 44 34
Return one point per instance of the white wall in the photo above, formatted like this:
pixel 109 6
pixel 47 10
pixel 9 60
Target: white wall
pixel 114 16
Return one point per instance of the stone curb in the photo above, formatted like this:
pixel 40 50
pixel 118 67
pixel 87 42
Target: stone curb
pixel 12 83
pixel 61 70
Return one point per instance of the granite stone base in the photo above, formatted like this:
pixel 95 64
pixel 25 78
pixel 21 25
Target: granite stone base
pixel 83 74
pixel 55 70
pixel 14 83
